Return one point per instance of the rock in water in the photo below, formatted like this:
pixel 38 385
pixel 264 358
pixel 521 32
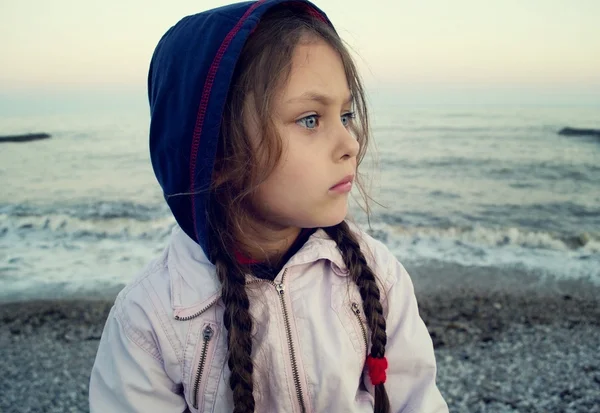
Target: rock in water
pixel 579 132
pixel 583 239
pixel 24 138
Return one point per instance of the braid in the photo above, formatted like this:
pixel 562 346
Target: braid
pixel 364 278
pixel 237 321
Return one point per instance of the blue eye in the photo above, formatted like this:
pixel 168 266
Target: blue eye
pixel 309 122
pixel 347 118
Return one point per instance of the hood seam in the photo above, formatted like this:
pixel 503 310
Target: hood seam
pixel 204 102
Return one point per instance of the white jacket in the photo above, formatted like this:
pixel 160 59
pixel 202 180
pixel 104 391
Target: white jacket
pixel 163 349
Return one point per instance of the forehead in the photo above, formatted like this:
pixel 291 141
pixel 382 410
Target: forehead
pixel 317 68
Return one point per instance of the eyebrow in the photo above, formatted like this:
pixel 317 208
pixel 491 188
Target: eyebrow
pixel 318 97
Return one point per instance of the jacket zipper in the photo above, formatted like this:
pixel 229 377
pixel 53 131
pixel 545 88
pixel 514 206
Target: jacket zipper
pixel 356 311
pixel 280 287
pixel 199 312
pixel 281 290
pixel 207 336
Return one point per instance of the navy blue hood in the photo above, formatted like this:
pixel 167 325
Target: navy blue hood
pixel 188 83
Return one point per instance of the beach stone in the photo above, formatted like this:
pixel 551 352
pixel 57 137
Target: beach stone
pixel 538 353
pixel 584 238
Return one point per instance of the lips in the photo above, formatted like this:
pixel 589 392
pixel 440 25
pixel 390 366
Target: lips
pixel 346 181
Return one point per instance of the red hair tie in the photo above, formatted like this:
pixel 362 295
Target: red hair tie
pixel 377 367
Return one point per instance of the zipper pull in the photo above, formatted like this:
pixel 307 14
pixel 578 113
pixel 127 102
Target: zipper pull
pixel 355 308
pixel 208 333
pixel 280 288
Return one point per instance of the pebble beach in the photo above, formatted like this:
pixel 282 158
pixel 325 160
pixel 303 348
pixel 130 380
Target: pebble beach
pixel 510 344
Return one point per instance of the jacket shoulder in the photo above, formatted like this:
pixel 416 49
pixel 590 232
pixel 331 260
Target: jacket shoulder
pixel 376 252
pixel 143 308
pixel 154 275
pixel 382 261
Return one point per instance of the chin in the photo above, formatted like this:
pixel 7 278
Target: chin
pixel 334 218
pixel 320 217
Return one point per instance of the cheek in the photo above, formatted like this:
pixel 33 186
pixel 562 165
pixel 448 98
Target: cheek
pixel 295 178
pixel 298 176
pixel 289 185
pixel 304 158
pixel 282 185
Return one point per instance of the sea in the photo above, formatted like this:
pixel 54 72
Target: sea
pixel 470 185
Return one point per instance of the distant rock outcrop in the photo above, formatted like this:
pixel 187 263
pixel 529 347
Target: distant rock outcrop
pixel 24 138
pixel 579 132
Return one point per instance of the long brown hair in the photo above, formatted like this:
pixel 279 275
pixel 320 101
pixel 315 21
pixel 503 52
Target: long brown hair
pixel 262 69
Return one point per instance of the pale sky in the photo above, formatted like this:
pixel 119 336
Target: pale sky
pixel 536 44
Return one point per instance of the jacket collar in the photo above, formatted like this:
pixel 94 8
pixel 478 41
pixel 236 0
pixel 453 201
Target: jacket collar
pixel 194 282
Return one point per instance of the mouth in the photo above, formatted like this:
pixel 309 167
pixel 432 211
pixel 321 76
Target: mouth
pixel 345 185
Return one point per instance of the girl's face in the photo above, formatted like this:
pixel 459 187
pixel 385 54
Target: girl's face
pixel 312 115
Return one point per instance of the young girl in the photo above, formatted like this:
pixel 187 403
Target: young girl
pixel 266 299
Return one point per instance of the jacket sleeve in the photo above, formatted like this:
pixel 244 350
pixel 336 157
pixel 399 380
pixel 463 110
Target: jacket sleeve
pixel 411 372
pixel 128 374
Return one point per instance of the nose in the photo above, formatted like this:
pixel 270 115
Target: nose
pixel 348 146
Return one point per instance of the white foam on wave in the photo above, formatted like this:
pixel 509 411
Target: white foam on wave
pixel 67 254
pixel 479 235
pixel 70 227
pixel 59 255
pixel 537 252
pixel 68 266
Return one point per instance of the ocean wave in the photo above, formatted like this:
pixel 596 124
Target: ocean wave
pixel 90 211
pixel 500 169
pixel 451 127
pixel 73 253
pixel 537 252
pixel 551 171
pixel 447 128
pixel 551 216
pixel 444 163
pixel 60 226
pixel 534 227
pixel 493 237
